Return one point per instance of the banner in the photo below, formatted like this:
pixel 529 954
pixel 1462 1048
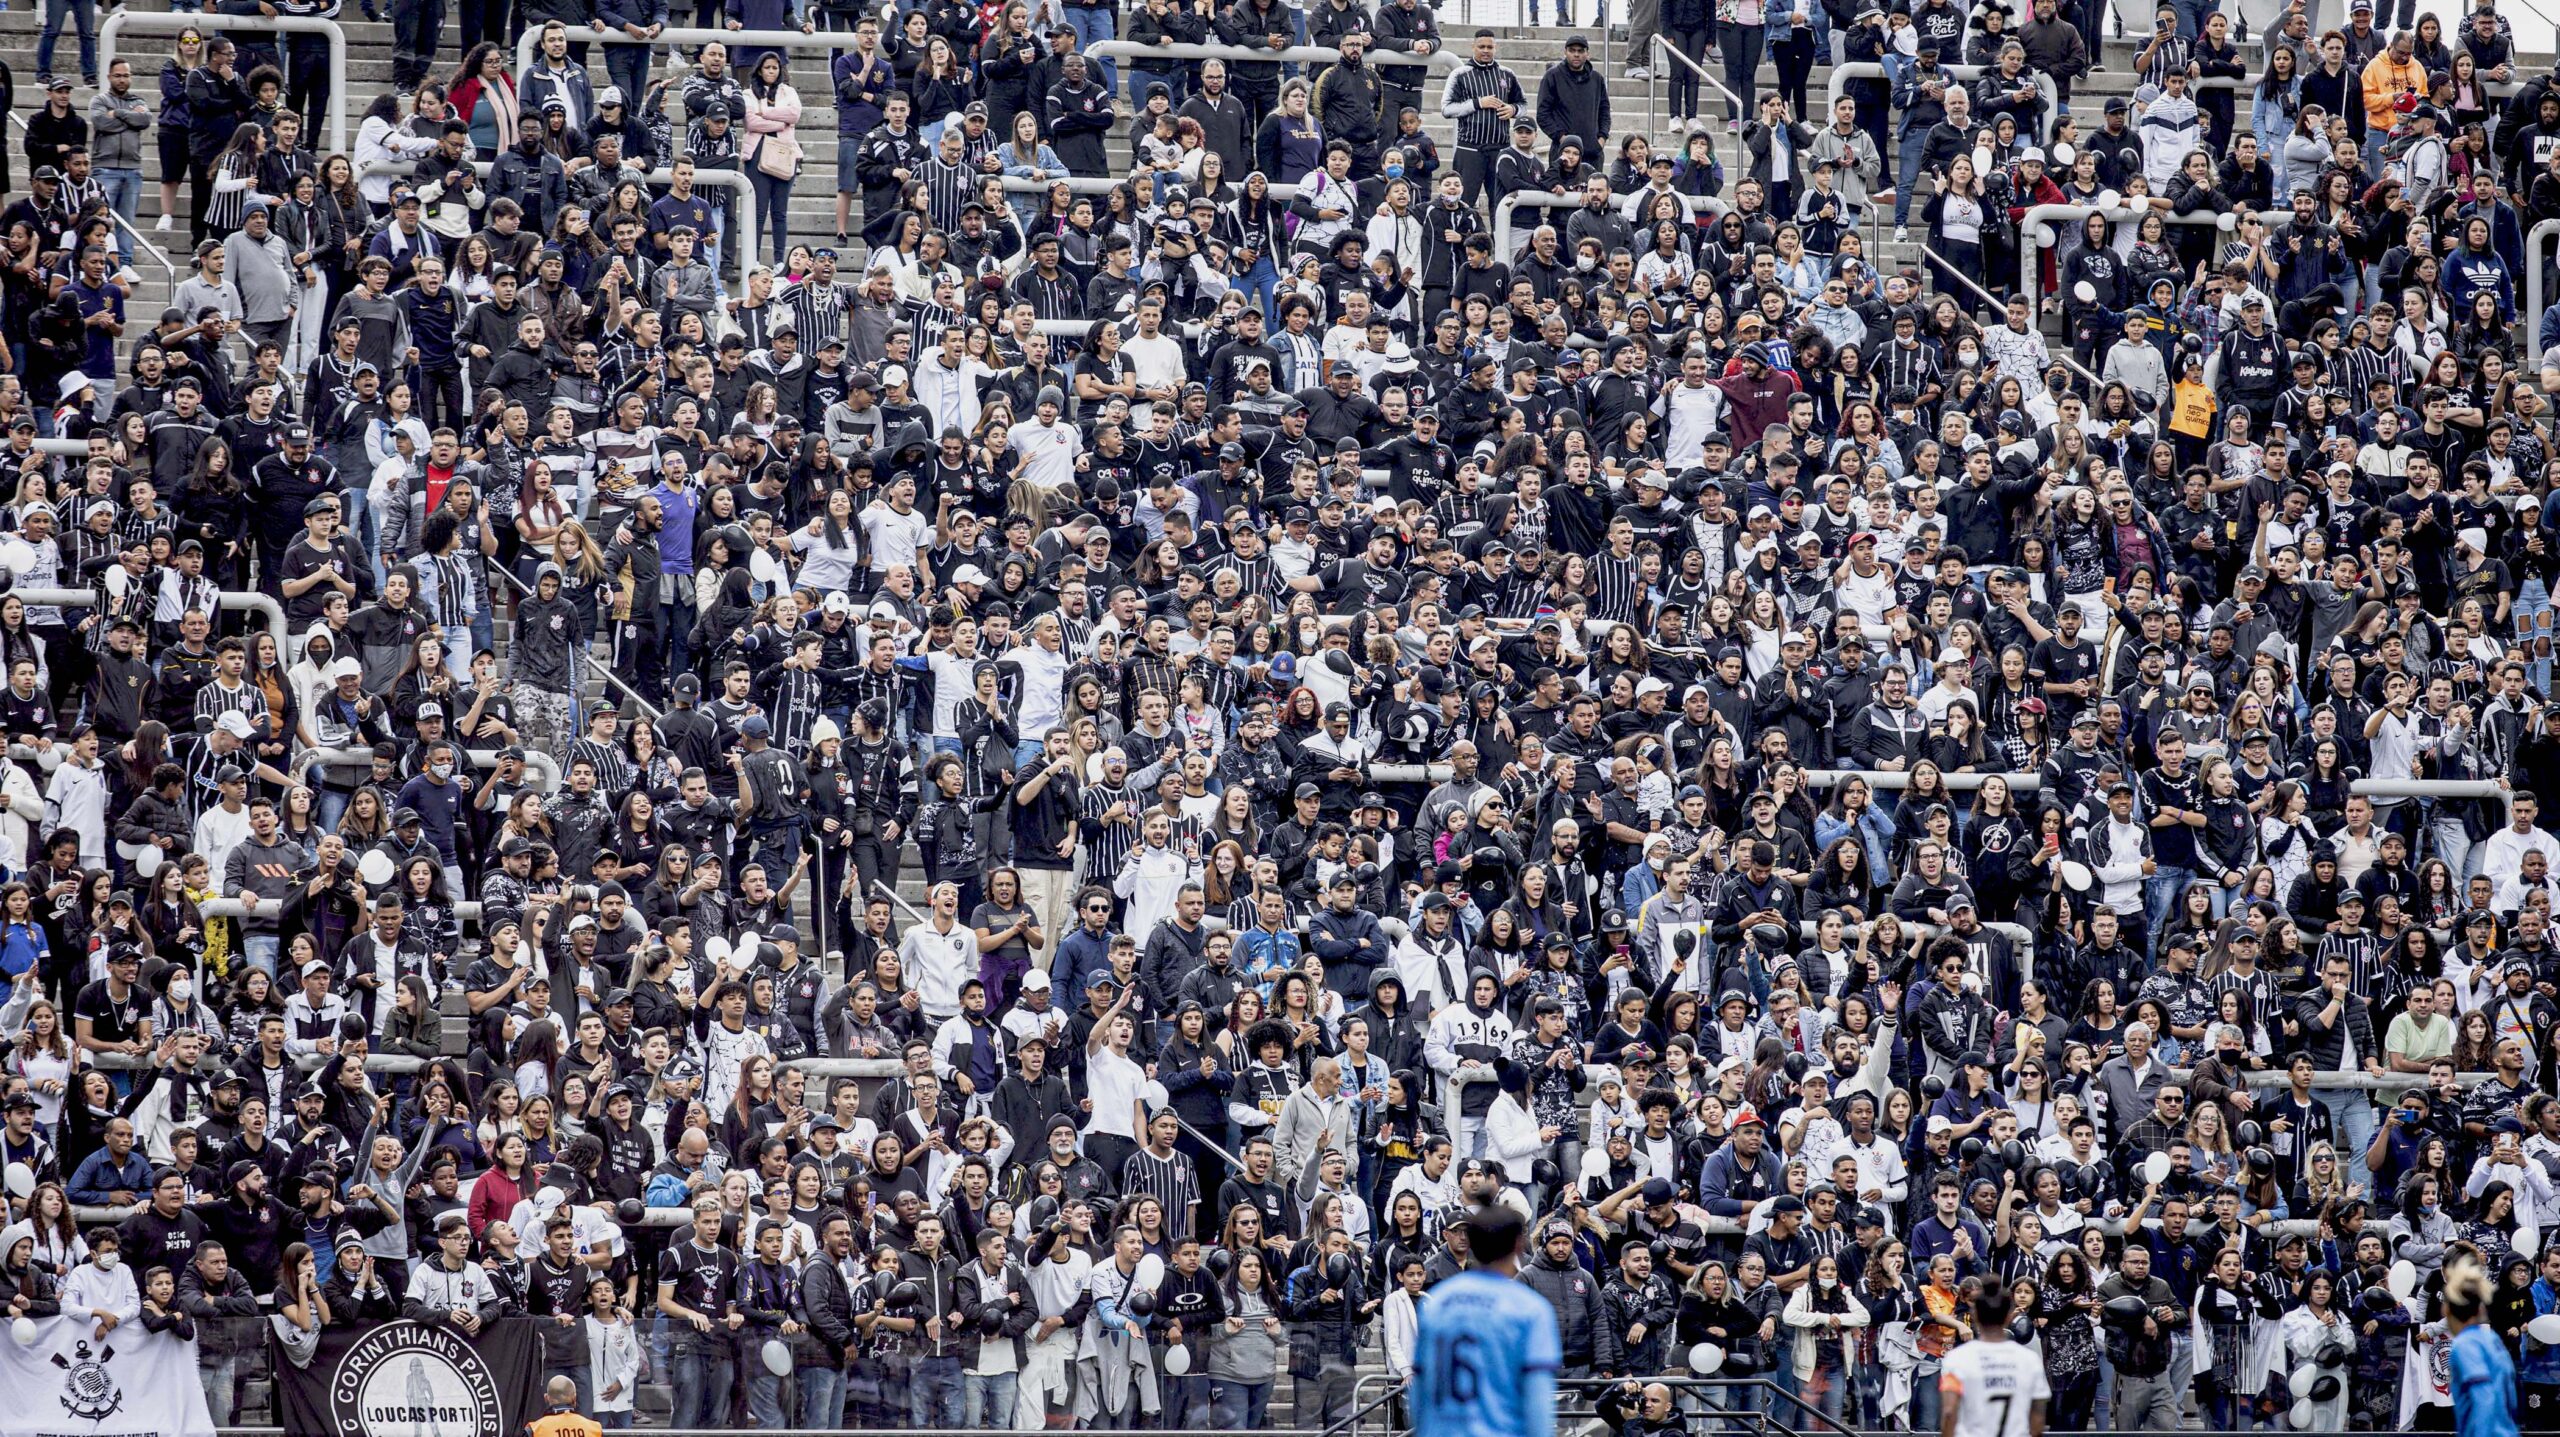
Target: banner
pixel 411 1379
pixel 70 1382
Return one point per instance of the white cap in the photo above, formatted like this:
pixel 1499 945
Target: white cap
pixel 970 574
pixel 234 723
pixel 2474 538
pixel 345 669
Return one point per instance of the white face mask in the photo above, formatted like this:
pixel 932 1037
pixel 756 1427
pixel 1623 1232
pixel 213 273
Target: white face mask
pixel 180 990
pixel 1827 1283
pixel 107 1261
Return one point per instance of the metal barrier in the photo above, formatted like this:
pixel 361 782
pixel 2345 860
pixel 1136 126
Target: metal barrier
pixel 2536 240
pixel 2037 233
pixel 1125 50
pixel 1948 268
pixel 1842 74
pixel 234 600
pixel 1541 199
pixel 744 247
pixel 171 24
pixel 1672 54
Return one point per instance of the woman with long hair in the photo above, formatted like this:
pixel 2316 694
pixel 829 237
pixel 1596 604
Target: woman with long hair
pixel 770 154
pixel 483 95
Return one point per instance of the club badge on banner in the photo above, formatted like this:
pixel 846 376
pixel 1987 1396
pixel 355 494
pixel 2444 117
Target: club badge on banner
pixel 411 1379
pixel 67 1381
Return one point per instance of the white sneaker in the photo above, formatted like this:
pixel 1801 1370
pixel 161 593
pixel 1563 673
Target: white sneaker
pixel 1902 234
pixel 163 225
pixel 1638 72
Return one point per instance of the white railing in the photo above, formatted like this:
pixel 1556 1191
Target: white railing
pixel 742 240
pixel 2536 240
pixel 169 24
pixel 1542 199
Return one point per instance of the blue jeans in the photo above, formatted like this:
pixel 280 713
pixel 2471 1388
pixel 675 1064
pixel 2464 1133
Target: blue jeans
pixel 2191 16
pixel 1908 175
pixel 933 1393
pixel 1187 1403
pixel 1098 23
pixel 1174 81
pixel 2160 897
pixel 263 949
pixel 1258 284
pixel 676 624
pixel 83 13
pixel 124 194
pixel 703 1372
pixel 821 1396
pixel 764 1399
pixel 628 65
pixel 986 1403
pixel 2353 1108
pixel 1239 1406
pixel 773 211
pixel 581 1374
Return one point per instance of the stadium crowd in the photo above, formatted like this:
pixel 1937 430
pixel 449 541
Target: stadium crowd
pixel 1555 674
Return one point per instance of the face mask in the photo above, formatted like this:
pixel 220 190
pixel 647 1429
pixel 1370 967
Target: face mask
pixel 1585 263
pixel 442 770
pixel 1968 356
pixel 180 990
pixel 1827 1283
pixel 107 1261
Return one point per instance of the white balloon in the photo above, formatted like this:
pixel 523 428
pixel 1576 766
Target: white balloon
pixel 21 1180
pixel 147 862
pixel 2045 237
pixel 2076 875
pixel 1981 162
pixel 2302 1380
pixel 2155 1168
pixel 2227 222
pixel 762 565
pixel 2110 201
pixel 2300 1416
pixel 375 867
pixel 1177 1360
pixel 745 948
pixel 2545 1329
pixel 1705 1358
pixel 2063 154
pixel 716 948
pixel 1150 1274
pixel 2526 1243
pixel 1154 1094
pixel 24 1329
pixel 2085 292
pixel 777 1357
pixel 2403 1278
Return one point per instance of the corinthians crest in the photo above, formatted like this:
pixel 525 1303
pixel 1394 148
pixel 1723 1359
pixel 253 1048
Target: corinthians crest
pixel 89 1391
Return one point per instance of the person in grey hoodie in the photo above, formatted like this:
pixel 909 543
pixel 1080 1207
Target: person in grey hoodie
pixel 386 630
pixel 261 872
pixel 1555 1273
pixel 547 634
pixel 118 120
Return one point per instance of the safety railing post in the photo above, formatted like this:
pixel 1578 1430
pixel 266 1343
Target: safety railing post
pixel 163 23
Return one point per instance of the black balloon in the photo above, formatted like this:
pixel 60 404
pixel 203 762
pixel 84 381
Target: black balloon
pixel 1141 1303
pixel 2013 1152
pixel 1337 1269
pixel 2248 1133
pixel 1933 1087
pixel 990 1319
pixel 1220 1262
pixel 1544 1172
pixel 630 1210
pixel 905 1295
pixel 1970 1150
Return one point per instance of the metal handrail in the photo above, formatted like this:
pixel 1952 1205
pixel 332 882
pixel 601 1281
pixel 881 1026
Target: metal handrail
pixel 652 710
pixel 1543 199
pixel 2036 233
pixel 1653 110
pixel 1697 1383
pixel 159 256
pixel 1248 54
pixel 171 24
pixel 2535 240
pixel 731 180
pixel 2059 356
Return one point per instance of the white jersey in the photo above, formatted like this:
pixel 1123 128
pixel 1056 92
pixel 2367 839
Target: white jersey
pixel 1994 1386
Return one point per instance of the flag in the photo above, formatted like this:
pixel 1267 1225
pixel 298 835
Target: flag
pixel 72 1382
pixel 412 1379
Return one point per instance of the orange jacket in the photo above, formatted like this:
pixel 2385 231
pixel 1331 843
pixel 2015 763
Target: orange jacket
pixel 2385 81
